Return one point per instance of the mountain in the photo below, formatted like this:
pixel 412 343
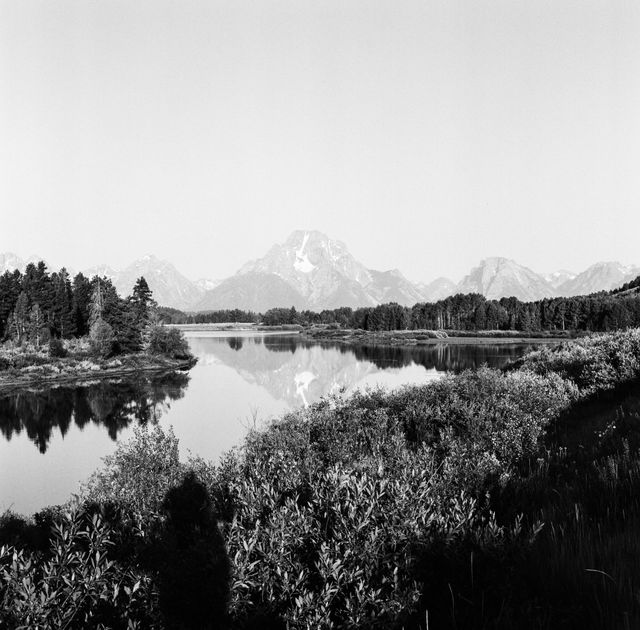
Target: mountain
pixel 309 270
pixel 392 286
pixel 438 289
pixel 169 286
pixel 602 276
pixel 317 268
pixel 102 271
pixel 206 284
pixel 558 278
pixel 256 292
pixel 500 277
pixel 10 262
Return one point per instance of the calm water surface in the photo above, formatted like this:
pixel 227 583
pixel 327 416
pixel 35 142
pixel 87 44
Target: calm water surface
pixel 51 441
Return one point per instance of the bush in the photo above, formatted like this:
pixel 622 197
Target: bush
pixel 169 342
pixel 139 474
pixel 593 364
pixel 56 348
pixel 76 585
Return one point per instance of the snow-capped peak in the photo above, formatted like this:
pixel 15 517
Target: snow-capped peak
pixel 302 263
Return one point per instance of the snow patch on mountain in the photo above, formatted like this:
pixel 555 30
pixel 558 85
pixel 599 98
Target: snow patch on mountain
pixel 302 263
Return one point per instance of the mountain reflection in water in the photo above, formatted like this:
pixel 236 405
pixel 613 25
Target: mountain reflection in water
pixel 238 381
pixel 113 405
pixel 299 371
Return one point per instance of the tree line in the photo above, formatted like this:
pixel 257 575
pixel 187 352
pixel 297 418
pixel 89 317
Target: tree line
pixel 37 306
pixel 599 312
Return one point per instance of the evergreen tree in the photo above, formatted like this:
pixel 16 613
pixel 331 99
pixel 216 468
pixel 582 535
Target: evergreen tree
pixel 139 315
pixel 80 304
pixel 10 287
pixel 62 303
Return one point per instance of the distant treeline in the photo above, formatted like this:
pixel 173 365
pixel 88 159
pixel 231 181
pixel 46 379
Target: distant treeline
pixel 603 311
pixel 174 316
pixel 37 305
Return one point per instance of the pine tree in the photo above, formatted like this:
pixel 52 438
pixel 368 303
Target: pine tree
pixel 80 304
pixel 141 313
pixel 10 283
pixel 63 323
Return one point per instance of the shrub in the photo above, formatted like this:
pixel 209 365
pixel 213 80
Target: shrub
pixel 139 474
pixel 76 585
pixel 56 348
pixel 593 364
pixel 169 342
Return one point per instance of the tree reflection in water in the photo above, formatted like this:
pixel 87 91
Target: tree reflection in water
pixel 443 357
pixel 114 405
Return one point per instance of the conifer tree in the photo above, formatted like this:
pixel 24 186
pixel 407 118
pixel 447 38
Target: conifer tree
pixel 10 283
pixel 80 304
pixel 63 324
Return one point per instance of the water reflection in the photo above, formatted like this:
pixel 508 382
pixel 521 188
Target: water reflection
pixel 298 371
pixel 237 380
pixel 112 405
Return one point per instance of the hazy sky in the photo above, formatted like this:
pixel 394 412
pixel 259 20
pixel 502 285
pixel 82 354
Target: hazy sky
pixel 426 135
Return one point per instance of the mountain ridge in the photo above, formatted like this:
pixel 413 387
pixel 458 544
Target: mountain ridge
pixel 311 270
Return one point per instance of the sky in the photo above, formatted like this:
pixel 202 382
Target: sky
pixel 426 135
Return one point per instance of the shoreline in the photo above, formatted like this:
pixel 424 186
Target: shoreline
pixel 413 338
pixel 42 376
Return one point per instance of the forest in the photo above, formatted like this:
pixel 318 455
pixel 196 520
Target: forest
pixel 599 312
pixel 38 307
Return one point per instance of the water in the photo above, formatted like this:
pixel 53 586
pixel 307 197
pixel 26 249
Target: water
pixel 52 440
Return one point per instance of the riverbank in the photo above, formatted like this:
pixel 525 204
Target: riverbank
pixel 431 337
pixel 47 372
pixel 236 327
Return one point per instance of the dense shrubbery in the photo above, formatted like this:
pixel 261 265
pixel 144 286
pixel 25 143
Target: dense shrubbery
pixel 57 349
pixel 437 504
pixel 168 342
pixel 593 364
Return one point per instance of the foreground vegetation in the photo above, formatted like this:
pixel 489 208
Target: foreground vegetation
pixel 483 500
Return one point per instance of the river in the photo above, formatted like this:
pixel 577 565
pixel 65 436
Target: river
pixel 52 440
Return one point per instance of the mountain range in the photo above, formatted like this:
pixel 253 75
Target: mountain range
pixel 311 271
